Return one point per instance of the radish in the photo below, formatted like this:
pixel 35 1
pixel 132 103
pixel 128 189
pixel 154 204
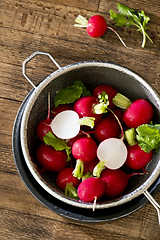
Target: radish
pixel 112 153
pixel 59 109
pixel 115 181
pixel 91 190
pixel 138 113
pixel 84 150
pixel 50 159
pixel 44 126
pixel 84 106
pixel 96 26
pixel 137 159
pixel 65 176
pixel 72 140
pixel 107 127
pixel 108 90
pixel 66 124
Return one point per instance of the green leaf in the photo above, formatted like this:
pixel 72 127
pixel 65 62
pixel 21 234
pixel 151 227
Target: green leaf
pixel 57 143
pixel 68 95
pixel 144 19
pixel 124 10
pixel 71 93
pixel 118 18
pixel 148 137
pixel 128 16
pixel 85 91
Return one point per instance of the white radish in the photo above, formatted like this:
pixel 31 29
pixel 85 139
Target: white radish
pixel 66 124
pixel 112 152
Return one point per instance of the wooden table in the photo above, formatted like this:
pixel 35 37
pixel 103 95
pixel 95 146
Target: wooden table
pixel 29 26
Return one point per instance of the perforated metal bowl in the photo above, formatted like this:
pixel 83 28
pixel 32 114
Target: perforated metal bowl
pixel 92 74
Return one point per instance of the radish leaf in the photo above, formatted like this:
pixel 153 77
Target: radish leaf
pixel 57 144
pixel 148 137
pixel 68 95
pixel 71 93
pixel 127 17
pixel 85 91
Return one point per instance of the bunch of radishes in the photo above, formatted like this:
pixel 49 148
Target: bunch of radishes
pixel 84 143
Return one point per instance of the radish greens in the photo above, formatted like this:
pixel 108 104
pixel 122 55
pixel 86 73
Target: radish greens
pixel 128 17
pixel 71 93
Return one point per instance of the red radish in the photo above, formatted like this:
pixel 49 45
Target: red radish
pixel 44 125
pixel 137 159
pixel 72 140
pixel 43 128
pixel 84 149
pixel 84 106
pixel 65 176
pixel 108 90
pixel 59 109
pixel 96 26
pixel 107 127
pixel 50 159
pixel 91 189
pixel 140 112
pixel 115 181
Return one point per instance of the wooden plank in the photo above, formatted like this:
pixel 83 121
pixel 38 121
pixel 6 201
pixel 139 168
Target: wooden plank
pixel 37 22
pixel 150 213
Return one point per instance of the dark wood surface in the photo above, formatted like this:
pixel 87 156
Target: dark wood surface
pixel 38 25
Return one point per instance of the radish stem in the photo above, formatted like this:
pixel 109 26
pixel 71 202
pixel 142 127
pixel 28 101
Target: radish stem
pixel 117 36
pixel 87 121
pixel 78 171
pixel 101 107
pixel 130 136
pixel 71 191
pixel 82 21
pixel 122 132
pixel 121 101
pixel 98 169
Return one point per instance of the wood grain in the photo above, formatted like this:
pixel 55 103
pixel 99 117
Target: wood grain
pixel 38 25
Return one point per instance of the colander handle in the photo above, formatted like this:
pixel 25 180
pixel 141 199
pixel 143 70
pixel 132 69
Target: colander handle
pixel 153 202
pixel 31 57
